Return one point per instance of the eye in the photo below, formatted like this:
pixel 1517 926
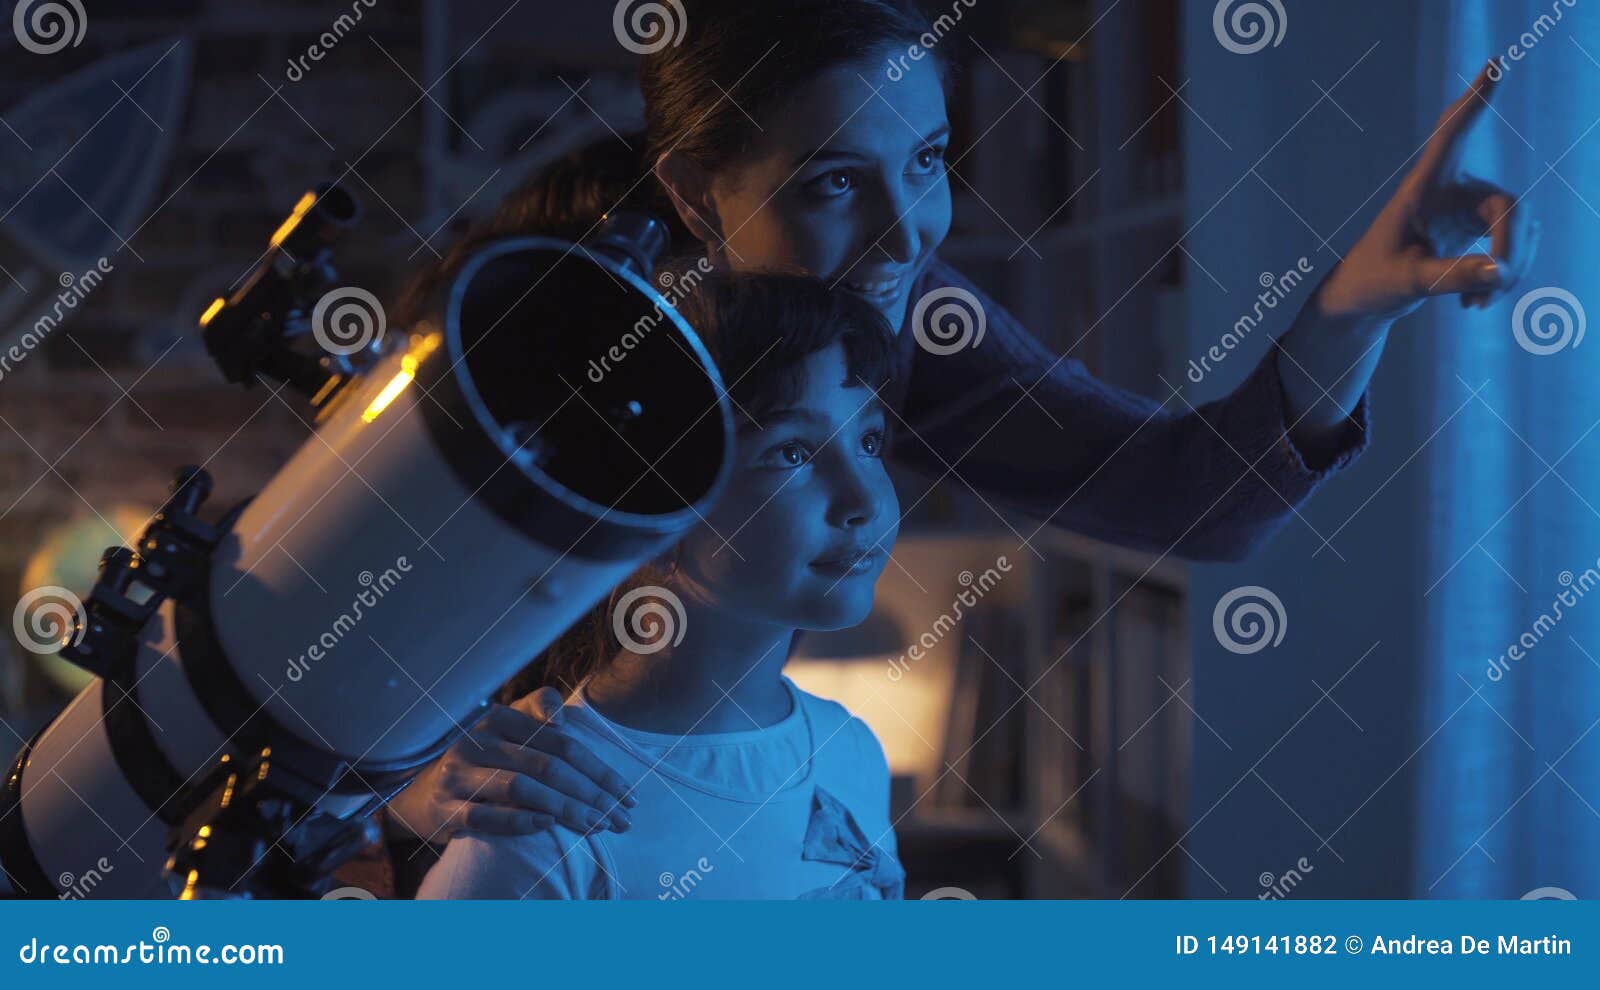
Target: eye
pixel 832 184
pixel 931 158
pixel 873 443
pixel 792 454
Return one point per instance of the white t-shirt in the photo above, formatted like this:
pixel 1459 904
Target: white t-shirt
pixel 799 809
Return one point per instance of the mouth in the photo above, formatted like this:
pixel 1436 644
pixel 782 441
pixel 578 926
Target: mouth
pixel 861 560
pixel 876 289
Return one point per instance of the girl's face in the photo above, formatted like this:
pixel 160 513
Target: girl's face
pixel 809 513
pixel 847 182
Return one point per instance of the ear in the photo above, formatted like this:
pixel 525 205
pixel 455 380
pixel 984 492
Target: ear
pixel 689 186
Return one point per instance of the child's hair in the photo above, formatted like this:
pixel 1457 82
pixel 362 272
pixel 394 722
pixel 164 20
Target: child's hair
pixel 737 64
pixel 759 329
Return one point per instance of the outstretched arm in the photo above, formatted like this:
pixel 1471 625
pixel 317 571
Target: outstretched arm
pixel 1035 431
pixel 1407 255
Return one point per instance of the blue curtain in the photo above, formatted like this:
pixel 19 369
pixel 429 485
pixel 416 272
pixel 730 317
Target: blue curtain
pixel 1509 727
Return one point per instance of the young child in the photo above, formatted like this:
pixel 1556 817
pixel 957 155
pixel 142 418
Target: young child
pixel 747 786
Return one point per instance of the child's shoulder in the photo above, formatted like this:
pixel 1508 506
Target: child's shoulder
pixel 552 863
pixel 831 720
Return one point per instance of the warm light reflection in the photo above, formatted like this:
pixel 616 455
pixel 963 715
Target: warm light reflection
pixel 421 347
pixel 300 209
pixel 212 310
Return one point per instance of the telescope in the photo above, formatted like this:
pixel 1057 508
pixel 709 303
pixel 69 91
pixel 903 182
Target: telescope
pixel 264 682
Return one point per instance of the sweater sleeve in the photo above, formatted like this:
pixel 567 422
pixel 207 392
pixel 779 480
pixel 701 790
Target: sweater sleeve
pixel 1036 432
pixel 554 864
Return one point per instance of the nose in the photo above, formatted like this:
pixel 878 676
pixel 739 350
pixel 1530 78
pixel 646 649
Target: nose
pixel 898 237
pixel 856 501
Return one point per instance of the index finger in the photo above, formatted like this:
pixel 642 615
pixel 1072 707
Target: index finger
pixel 1443 151
pixel 511 724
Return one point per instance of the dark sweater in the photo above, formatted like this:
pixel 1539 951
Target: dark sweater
pixel 1211 482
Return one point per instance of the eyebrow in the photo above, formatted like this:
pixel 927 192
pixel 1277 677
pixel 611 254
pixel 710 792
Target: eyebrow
pixel 804 414
pixel 826 154
pixel 789 414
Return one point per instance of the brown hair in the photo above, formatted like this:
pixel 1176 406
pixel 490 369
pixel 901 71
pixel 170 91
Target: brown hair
pixel 738 63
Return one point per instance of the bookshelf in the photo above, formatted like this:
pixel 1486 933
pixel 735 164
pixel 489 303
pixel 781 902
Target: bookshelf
pixel 1038 743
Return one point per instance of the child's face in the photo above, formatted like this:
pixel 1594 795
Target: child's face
pixel 809 513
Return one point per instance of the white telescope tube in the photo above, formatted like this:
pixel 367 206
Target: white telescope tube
pixel 493 476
